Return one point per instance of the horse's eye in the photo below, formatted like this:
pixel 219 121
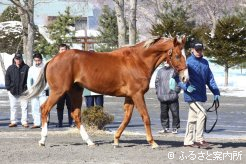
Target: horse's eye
pixel 177 57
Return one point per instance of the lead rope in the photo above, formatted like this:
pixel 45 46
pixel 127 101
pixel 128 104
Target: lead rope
pixel 215 104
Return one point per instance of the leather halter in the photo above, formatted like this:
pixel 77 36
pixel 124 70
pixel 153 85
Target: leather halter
pixel 169 59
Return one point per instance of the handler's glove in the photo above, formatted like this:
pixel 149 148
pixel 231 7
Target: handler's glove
pixel 191 88
pixel 172 84
pixel 216 97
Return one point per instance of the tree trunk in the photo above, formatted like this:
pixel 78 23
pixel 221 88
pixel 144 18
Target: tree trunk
pixel 2 65
pixel 26 11
pixel 211 12
pixel 119 9
pixel 132 22
pixel 31 33
pixel 226 75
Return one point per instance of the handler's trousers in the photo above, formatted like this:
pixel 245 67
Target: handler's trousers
pixel 195 124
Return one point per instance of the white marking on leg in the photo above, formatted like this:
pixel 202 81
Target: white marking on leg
pixel 85 136
pixel 44 133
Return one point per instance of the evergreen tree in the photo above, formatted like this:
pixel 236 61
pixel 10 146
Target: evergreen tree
pixel 61 31
pixel 10 14
pixel 227 48
pixel 108 37
pixel 10 40
pixel 173 21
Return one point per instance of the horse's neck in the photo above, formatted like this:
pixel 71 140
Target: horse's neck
pixel 151 59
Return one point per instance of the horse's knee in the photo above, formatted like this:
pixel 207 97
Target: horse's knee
pixel 146 120
pixel 117 136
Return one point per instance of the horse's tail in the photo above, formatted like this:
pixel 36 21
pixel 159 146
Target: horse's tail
pixel 38 86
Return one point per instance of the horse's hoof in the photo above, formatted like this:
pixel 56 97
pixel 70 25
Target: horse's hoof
pixel 116 145
pixel 41 143
pixel 154 145
pixel 91 145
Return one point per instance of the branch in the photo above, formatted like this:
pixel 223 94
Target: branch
pixel 17 3
pixel 45 1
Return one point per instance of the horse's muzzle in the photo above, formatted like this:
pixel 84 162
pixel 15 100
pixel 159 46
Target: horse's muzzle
pixel 184 75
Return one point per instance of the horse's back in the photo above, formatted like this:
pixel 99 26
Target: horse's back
pixel 95 71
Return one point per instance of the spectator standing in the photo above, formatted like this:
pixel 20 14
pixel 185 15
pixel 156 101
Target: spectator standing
pixel 16 84
pixel 36 102
pixel 64 99
pixel 167 93
pixel 92 98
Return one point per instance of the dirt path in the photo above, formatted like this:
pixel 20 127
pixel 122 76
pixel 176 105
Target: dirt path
pixel 67 147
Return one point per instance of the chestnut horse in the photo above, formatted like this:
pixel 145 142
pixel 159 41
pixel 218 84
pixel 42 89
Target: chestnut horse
pixel 125 72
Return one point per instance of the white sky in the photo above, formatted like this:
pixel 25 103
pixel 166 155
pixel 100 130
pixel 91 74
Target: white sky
pixel 53 7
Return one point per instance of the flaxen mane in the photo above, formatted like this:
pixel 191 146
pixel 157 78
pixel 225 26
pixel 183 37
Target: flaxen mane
pixel 153 40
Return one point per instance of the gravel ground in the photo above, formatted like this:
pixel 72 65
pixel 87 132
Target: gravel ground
pixel 67 147
pixel 64 145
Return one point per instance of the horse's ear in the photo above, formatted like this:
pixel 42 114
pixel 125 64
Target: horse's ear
pixel 183 39
pixel 179 41
pixel 175 41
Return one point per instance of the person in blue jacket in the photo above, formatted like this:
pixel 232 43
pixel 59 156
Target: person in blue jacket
pixel 195 95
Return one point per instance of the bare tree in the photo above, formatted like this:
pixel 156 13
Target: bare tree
pixel 209 11
pixel 132 22
pixel 119 9
pixel 2 65
pixel 26 10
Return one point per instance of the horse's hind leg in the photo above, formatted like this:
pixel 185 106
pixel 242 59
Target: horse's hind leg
pixel 128 108
pixel 76 98
pixel 138 100
pixel 45 109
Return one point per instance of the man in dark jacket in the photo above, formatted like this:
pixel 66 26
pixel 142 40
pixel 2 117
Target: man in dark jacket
pixel 167 94
pixel 64 99
pixel 16 84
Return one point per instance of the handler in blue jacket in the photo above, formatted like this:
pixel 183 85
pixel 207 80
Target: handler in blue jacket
pixel 195 94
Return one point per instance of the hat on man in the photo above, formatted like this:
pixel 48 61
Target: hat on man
pixel 196 45
pixel 18 56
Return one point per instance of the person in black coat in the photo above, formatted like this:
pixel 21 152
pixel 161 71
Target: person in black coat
pixel 64 99
pixel 16 84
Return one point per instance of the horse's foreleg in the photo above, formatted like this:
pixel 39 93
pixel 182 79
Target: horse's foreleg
pixel 76 99
pixel 138 100
pixel 128 108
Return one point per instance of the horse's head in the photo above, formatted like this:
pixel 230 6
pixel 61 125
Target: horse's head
pixel 176 58
pixel 170 50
